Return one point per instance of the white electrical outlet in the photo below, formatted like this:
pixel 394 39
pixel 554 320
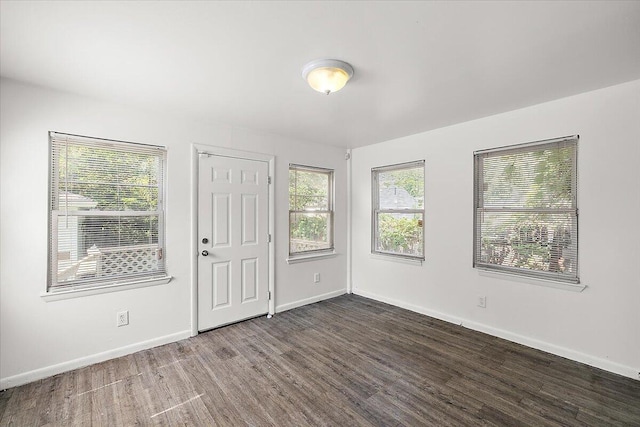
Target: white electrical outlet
pixel 482 302
pixel 316 277
pixel 123 318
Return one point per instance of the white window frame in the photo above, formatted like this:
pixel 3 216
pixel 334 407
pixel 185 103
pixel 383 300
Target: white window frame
pixel 310 254
pixel 479 208
pixel 376 210
pixel 77 287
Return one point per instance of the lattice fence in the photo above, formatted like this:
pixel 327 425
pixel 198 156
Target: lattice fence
pixel 127 260
pixel 108 262
pixel 299 245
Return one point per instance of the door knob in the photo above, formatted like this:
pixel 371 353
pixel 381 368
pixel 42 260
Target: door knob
pixel 205 253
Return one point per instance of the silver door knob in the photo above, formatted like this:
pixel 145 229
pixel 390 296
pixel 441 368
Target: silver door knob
pixel 205 253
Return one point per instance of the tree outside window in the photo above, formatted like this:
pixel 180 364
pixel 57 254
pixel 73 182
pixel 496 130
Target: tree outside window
pixel 526 210
pixel 106 211
pixel 310 209
pixel 398 210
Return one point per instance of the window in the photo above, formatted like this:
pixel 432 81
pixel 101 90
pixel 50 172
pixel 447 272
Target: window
pixel 106 218
pixel 526 215
pixel 310 210
pixel 398 210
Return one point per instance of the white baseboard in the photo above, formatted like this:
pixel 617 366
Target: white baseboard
pixel 410 307
pixel 567 353
pixel 300 303
pixel 38 374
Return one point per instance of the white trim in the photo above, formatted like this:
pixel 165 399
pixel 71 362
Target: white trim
pixel 230 152
pixel 272 233
pixel 197 149
pixel 57 295
pixel 194 240
pixel 574 287
pixel 568 353
pixel 38 374
pixel 310 257
pixel 408 306
pixel 565 352
pixel 396 258
pixel 302 302
pixel 349 223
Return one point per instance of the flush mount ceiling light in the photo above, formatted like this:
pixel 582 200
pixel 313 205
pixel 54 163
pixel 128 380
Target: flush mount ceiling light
pixel 327 75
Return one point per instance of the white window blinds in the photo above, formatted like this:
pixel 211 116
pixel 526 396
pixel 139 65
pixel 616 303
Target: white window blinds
pixel 106 212
pixel 526 214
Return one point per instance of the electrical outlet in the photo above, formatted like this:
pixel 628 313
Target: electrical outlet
pixel 316 277
pixel 482 302
pixel 122 318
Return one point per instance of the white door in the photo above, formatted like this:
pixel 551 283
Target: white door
pixel 233 240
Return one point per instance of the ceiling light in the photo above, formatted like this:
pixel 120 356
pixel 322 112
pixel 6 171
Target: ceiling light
pixel 327 75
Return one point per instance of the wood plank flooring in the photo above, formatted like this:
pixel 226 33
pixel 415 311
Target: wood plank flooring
pixel 348 361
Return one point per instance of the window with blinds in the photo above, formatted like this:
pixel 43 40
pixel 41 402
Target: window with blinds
pixel 526 213
pixel 310 210
pixel 398 210
pixel 106 218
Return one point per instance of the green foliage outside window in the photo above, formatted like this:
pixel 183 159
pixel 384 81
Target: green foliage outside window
pixel 397 232
pixel 536 238
pixel 310 209
pixel 309 227
pixel 114 181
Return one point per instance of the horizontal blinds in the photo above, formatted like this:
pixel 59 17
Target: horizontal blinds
pixel 293 166
pixel 123 146
pixel 106 210
pixel 408 165
pixel 526 210
pixel 527 146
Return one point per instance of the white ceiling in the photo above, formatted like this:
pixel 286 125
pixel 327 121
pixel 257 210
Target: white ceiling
pixel 418 65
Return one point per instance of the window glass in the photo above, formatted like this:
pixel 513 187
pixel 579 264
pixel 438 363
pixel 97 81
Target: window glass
pixel 106 212
pixel 398 210
pixel 310 209
pixel 526 210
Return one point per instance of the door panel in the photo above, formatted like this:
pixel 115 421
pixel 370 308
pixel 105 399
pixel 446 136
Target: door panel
pixel 249 279
pixel 233 278
pixel 221 284
pixel 249 219
pixel 220 219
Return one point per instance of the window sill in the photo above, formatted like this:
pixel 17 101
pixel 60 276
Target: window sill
pixel 304 258
pixel 397 258
pixel 116 287
pixel 574 287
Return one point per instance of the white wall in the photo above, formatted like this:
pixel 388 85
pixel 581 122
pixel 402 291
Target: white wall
pixel 598 326
pixel 39 338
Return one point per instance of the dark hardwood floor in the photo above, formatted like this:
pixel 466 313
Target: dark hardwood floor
pixel 343 362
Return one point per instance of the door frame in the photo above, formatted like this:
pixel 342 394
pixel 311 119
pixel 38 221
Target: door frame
pixel 196 149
